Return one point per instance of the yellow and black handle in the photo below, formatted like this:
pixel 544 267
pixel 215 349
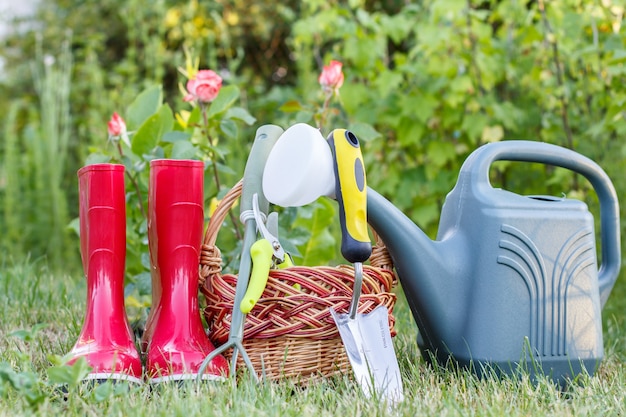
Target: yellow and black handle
pixel 350 191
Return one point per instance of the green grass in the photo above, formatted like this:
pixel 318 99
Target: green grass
pixel 41 315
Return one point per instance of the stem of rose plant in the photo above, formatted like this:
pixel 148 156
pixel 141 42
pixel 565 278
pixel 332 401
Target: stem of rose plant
pixel 216 177
pixel 325 106
pixel 135 184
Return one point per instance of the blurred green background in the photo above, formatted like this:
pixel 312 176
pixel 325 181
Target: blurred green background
pixel 426 82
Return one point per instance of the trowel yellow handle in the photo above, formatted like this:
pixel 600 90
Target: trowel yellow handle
pixel 261 253
pixel 350 191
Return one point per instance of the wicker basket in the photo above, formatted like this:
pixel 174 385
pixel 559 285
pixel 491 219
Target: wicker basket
pixel 289 333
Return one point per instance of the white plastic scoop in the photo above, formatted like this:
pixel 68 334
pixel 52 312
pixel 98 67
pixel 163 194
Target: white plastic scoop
pixel 299 169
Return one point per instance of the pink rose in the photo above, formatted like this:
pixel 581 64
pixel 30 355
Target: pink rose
pixel 116 125
pixel 331 77
pixel 204 87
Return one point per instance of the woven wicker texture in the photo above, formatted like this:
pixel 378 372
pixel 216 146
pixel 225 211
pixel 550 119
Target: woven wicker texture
pixel 290 333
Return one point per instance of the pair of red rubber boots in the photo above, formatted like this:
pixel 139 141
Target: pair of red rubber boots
pixel 174 342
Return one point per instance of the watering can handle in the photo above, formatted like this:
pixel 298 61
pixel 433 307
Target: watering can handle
pixel 529 151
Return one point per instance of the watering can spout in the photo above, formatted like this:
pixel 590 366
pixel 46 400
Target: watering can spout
pixel 426 268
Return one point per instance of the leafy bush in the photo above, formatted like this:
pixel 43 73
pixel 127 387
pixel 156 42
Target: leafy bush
pixel 426 83
pixel 440 78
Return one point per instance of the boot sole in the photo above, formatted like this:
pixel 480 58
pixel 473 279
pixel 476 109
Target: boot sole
pixel 102 377
pixel 184 377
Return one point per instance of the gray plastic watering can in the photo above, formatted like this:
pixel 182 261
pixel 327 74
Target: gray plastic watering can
pixel 511 281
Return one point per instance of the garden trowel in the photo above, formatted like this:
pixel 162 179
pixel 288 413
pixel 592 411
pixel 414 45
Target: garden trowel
pixel 366 337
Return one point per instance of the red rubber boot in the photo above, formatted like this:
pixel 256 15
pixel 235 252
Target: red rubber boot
pixel 105 341
pixel 178 343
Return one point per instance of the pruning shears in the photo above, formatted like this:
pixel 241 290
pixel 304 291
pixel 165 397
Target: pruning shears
pixel 266 253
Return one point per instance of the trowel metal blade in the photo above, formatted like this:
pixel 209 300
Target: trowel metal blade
pixel 368 345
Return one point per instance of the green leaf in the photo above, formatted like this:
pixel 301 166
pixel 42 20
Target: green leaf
pixel 28 335
pixel 74 226
pixel 397 26
pixel 97 158
pixel 226 97
pixel 150 132
pixel 461 84
pixel 183 150
pixel 220 152
pixel 364 51
pixel 225 169
pixel 70 375
pixel 291 106
pixel 439 153
pixel 229 128
pixel 102 392
pixel 509 115
pixel 479 14
pixel 426 213
pixel 167 119
pixel 176 136
pixel 21 334
pixel 473 125
pixel 194 117
pixel 146 261
pixel 492 133
pixel 410 131
pixel 619 57
pixel 364 131
pixel 616 70
pixel 147 136
pixel 304 117
pixel 144 105
pixel 444 9
pixel 297 236
pixel 387 82
pixel 355 97
pixel 422 106
pixel 322 246
pixel 240 113
pixel 120 389
pixel 21 381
